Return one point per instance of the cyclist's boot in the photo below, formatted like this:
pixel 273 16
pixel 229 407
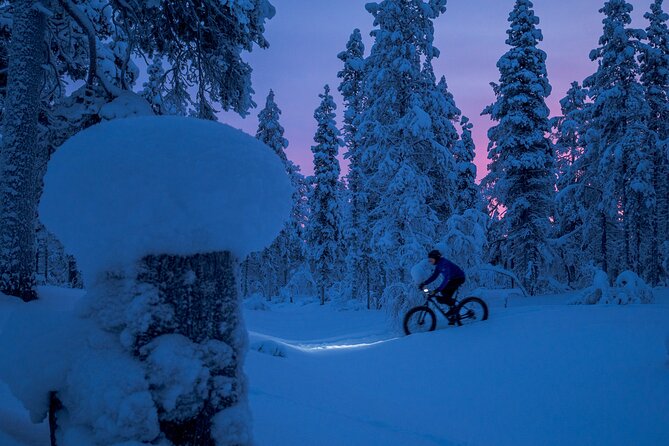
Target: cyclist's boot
pixel 451 314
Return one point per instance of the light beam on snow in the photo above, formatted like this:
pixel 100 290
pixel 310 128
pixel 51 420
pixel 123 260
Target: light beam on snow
pixel 325 347
pixel 319 346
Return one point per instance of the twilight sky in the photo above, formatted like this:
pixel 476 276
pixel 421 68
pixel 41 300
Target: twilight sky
pixel 306 35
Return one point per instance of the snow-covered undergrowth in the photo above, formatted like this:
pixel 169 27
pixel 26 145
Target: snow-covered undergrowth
pixel 538 372
pixel 629 289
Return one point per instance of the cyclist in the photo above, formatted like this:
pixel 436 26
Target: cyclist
pixel 453 278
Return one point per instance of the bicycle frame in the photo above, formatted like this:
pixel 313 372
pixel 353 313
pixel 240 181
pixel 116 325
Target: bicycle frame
pixel 431 300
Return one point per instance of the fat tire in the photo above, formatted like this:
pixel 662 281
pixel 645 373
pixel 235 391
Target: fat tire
pixel 430 318
pixel 468 300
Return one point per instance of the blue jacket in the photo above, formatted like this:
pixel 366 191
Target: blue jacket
pixel 449 270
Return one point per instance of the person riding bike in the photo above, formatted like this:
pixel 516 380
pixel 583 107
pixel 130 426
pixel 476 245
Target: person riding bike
pixel 453 278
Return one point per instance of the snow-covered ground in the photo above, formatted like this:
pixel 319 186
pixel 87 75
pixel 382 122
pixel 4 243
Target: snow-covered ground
pixel 537 373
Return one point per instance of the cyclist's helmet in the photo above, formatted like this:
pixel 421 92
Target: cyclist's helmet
pixel 434 254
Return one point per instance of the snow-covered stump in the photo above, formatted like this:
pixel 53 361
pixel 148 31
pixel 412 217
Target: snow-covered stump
pixel 157 212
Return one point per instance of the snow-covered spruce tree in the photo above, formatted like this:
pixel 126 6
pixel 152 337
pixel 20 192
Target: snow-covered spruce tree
pixel 569 207
pixel 270 131
pixel 54 267
pixel 394 133
pixel 356 236
pixel 202 41
pixel 438 160
pixel 154 88
pixel 275 264
pixel 468 193
pixel 324 233
pixel 655 79
pixel 519 186
pixel 616 167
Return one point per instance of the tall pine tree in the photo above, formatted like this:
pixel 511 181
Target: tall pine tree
pixel 438 159
pixel 655 79
pixel 519 184
pixel 324 235
pixel 569 214
pixel 270 131
pixel 355 233
pixel 617 179
pixel 395 132
pixel 274 265
pixel 468 194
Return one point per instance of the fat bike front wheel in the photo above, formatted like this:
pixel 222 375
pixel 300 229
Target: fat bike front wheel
pixel 419 320
pixel 470 310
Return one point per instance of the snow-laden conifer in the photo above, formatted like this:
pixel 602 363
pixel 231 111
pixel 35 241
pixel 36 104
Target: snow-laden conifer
pixel 519 184
pixel 324 234
pixel 356 236
pixel 203 44
pixel 616 165
pixel 270 131
pixel 273 266
pixel 655 79
pixel 437 157
pixel 569 215
pixel 395 134
pixel 154 89
pixel 468 193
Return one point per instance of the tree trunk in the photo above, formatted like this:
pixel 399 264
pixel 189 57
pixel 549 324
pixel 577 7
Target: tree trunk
pixel 19 151
pixel 202 291
pixel 55 405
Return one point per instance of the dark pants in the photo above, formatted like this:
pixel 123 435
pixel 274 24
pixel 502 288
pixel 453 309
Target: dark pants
pixel 446 296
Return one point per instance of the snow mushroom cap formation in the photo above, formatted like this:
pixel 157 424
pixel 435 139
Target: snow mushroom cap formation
pixel 124 189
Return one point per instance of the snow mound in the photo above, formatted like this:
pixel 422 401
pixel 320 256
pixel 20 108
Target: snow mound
pixel 256 302
pixel 629 289
pixel 124 189
pixel 126 105
pixel 37 348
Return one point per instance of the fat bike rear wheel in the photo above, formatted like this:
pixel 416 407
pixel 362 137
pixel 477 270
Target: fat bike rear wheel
pixel 471 310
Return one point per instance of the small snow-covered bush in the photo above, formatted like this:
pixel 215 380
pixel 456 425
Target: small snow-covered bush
pixel 256 303
pixel 300 284
pixel 632 289
pixel 398 298
pixel 598 292
pixel 629 289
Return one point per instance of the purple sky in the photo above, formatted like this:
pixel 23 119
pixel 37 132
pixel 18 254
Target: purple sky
pixel 306 35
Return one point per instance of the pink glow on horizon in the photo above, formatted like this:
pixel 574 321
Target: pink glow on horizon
pixel 306 36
